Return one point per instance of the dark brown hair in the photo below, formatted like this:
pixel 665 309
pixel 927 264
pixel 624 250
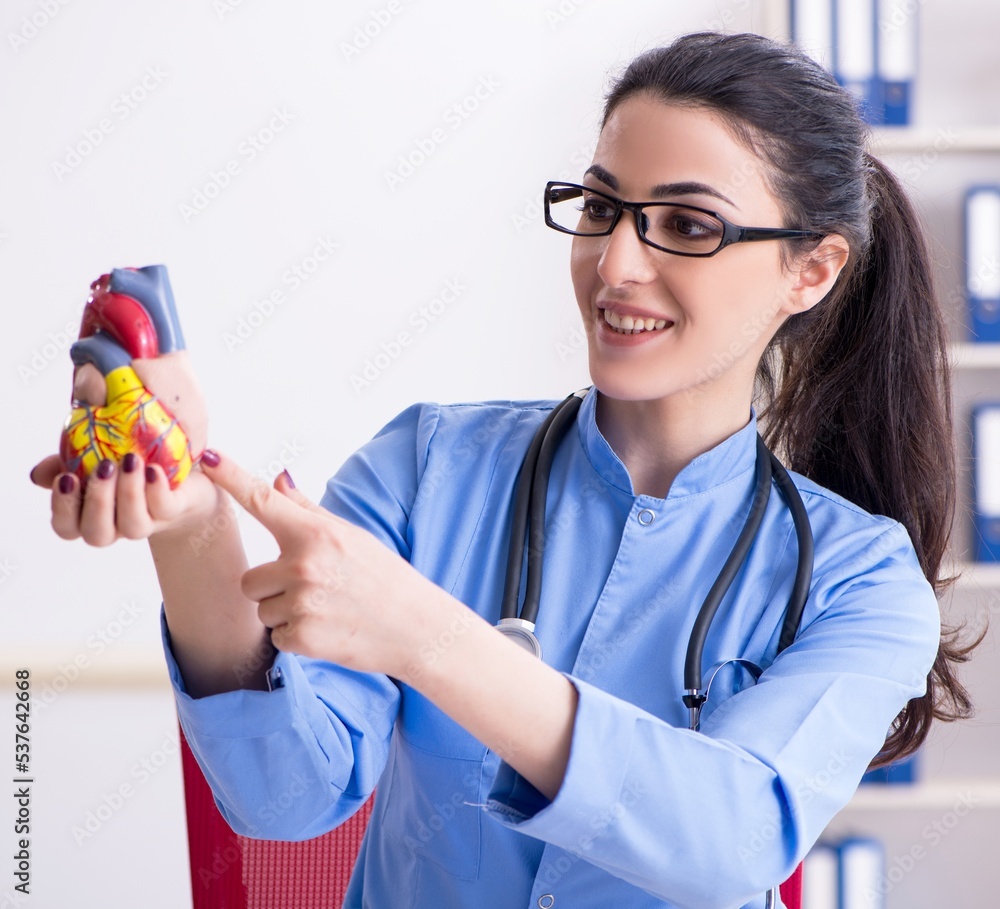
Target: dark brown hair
pixel 856 390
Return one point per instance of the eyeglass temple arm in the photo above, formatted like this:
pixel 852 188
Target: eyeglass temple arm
pixel 774 233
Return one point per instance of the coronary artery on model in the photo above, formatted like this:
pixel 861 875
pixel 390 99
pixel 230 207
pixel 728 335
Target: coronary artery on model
pixel 131 379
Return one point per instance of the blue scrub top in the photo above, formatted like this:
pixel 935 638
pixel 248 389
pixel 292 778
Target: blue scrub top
pixel 650 814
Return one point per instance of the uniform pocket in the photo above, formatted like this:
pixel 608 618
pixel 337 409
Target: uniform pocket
pixel 431 807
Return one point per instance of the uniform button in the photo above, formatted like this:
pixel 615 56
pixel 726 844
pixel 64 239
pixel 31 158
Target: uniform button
pixel 646 516
pixel 546 901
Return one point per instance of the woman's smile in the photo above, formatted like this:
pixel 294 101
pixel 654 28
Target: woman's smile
pixel 624 330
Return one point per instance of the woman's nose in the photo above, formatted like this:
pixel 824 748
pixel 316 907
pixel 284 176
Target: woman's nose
pixel 625 257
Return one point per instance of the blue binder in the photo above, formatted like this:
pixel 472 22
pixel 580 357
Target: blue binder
pixel 903 771
pixel 982 258
pixel 855 64
pixel 896 54
pixel 986 481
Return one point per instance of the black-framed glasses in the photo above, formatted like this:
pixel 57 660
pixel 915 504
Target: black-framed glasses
pixel 683 230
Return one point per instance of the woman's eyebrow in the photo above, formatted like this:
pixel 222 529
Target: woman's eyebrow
pixel 662 190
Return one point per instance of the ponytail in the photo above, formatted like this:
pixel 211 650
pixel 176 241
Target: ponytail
pixel 863 407
pixel 856 391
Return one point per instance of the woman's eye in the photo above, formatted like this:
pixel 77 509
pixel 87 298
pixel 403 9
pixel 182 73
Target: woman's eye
pixel 685 225
pixel 597 209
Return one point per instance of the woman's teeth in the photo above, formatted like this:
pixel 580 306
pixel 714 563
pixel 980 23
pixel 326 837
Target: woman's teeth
pixel 627 325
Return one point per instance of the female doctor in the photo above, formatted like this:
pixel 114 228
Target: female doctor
pixel 367 653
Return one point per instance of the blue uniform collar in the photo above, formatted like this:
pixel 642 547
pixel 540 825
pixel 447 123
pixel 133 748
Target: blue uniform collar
pixel 726 461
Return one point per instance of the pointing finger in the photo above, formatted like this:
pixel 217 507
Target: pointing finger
pixel 284 484
pixel 278 513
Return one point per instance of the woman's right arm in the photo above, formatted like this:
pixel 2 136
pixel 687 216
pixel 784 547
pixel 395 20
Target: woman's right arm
pixel 217 640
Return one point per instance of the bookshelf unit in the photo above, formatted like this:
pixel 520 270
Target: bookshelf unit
pixel 937 831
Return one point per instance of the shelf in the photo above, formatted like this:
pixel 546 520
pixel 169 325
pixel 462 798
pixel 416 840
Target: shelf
pixel 976 575
pixel 965 355
pixel 936 794
pixel 54 671
pixel 944 140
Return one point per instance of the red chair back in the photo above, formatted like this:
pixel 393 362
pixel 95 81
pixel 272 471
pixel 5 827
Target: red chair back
pixel 791 890
pixel 229 871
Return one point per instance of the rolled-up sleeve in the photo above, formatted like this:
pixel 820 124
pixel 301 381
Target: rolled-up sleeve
pixel 294 762
pixel 713 818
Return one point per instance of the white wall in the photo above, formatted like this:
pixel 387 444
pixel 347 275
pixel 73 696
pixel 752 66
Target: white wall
pixel 215 73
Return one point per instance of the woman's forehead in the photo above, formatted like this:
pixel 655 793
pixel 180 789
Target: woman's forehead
pixel 647 143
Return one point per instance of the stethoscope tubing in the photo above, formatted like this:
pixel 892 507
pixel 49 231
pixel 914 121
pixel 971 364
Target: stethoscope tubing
pixel 528 528
pixel 532 487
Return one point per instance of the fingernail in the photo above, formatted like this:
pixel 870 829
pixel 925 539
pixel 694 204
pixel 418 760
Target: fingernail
pixel 105 469
pixel 65 484
pixel 210 458
pixel 150 474
pixel 289 480
pixel 129 462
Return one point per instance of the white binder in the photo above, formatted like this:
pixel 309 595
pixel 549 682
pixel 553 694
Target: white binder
pixel 982 258
pixel 896 53
pixel 854 41
pixel 812 29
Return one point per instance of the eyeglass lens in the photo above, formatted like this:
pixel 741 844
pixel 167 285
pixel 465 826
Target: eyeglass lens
pixel 674 227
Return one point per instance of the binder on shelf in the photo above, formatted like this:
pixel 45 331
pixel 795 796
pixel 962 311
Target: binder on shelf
pixel 982 258
pixel 812 29
pixel 821 877
pixel 862 870
pixel 854 55
pixel 903 771
pixel 846 874
pixel 896 53
pixel 986 481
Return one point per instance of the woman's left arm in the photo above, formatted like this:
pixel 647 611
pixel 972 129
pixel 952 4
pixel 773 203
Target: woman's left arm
pixel 703 819
pixel 337 593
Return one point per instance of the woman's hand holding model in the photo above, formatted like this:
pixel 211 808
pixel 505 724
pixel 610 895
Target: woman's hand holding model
pixel 335 593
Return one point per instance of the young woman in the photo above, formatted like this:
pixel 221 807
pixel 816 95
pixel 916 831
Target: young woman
pixel 367 652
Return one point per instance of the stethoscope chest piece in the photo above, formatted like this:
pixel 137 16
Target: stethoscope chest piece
pixel 521 633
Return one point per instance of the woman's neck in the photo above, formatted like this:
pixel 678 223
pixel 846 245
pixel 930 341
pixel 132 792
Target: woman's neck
pixel 656 438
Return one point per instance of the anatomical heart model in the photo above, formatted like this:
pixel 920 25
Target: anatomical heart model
pixel 133 386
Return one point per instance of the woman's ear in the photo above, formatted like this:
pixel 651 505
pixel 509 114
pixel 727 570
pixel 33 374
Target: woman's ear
pixel 815 273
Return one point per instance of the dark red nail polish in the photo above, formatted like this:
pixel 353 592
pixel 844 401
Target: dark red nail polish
pixel 289 480
pixel 150 475
pixel 105 469
pixel 129 462
pixel 210 458
pixel 65 484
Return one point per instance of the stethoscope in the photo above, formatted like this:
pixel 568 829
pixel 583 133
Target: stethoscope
pixel 529 502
